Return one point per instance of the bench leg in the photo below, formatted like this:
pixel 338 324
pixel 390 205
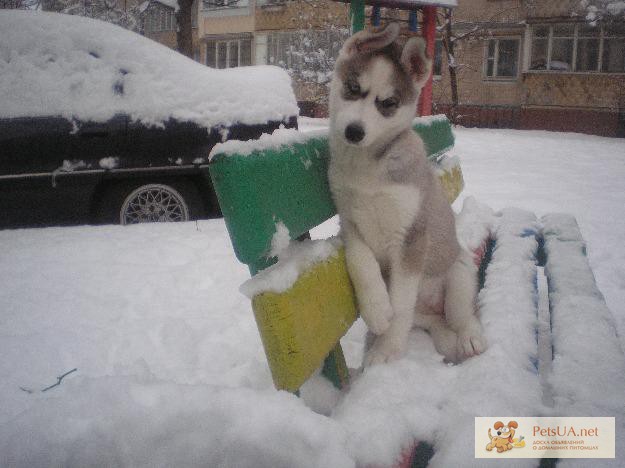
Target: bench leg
pixel 335 368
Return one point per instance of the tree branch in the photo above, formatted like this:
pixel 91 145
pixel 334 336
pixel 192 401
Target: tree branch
pixel 59 379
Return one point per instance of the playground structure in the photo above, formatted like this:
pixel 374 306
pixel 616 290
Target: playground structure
pixel 301 326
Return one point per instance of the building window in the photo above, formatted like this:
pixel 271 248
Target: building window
pixel 224 4
pixel 160 19
pixel 502 58
pixel 229 53
pixel 437 69
pixel 613 57
pixel 587 49
pixel 578 47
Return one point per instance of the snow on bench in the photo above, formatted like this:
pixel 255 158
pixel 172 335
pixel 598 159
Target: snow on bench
pixel 588 371
pixel 422 398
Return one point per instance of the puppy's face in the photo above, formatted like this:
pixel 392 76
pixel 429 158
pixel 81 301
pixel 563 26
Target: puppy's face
pixel 375 87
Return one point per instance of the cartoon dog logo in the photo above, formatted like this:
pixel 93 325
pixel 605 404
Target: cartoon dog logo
pixel 504 440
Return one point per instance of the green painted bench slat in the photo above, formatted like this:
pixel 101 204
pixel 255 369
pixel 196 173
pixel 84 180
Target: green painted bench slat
pixel 289 185
pixel 436 135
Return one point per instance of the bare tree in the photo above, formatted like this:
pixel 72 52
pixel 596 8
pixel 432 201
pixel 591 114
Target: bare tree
pixel 449 40
pixel 309 56
pixel 454 37
pixel 184 36
pixel 309 50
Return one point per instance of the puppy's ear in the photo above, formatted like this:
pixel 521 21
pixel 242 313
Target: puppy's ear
pixel 367 41
pixel 513 424
pixel 498 425
pixel 416 62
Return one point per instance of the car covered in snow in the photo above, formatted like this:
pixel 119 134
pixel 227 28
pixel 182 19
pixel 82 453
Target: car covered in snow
pixel 100 124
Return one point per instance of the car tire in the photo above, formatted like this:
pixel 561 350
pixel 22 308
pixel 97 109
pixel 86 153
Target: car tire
pixel 150 201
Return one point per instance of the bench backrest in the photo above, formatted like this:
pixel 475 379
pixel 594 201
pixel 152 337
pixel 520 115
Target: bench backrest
pixel 288 184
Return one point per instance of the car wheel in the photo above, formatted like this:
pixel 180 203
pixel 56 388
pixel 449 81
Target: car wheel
pixel 151 203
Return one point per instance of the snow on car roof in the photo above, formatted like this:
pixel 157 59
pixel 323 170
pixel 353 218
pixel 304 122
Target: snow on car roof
pixel 79 68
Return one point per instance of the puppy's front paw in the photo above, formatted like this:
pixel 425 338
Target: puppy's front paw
pixel 382 351
pixel 470 343
pixel 377 316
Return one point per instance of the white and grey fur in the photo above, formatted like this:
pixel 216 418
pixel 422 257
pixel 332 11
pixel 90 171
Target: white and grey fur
pixel 398 227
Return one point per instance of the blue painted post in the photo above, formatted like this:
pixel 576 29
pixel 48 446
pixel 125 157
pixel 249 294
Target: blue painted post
pixel 413 23
pixel 375 16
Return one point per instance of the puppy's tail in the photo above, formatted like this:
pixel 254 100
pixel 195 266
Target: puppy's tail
pixel 489 435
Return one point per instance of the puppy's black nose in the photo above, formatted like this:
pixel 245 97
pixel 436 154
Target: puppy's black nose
pixel 354 132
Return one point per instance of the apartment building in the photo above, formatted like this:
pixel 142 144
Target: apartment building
pixel 159 23
pixel 536 64
pixel 287 33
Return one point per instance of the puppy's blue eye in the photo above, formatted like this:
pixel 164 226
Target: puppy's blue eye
pixel 389 103
pixel 353 87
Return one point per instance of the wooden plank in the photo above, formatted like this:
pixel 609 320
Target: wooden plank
pixel 436 135
pixel 452 182
pixel 301 326
pixel 288 184
pixel 357 15
pixel 584 334
pixel 335 368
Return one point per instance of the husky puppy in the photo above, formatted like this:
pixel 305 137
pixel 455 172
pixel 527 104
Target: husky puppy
pixel 399 231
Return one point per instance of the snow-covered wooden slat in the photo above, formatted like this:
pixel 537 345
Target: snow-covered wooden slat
pixel 504 380
pixel 588 370
pixel 422 398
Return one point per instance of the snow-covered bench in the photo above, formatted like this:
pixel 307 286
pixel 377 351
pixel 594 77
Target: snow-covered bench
pixel 542 329
pixel 278 184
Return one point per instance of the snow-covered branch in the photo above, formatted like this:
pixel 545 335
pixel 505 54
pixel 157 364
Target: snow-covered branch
pixel 308 54
pixel 597 10
pixel 106 10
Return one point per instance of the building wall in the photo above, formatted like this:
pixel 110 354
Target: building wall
pixel 214 26
pixel 511 11
pixel 494 11
pixel 539 9
pixel 603 92
pixel 473 86
pixel 588 102
pixel 301 14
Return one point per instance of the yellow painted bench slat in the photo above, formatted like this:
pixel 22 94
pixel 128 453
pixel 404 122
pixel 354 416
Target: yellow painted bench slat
pixel 301 326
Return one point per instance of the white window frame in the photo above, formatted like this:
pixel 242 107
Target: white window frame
pixel 496 59
pixel 276 39
pixel 601 38
pixel 161 19
pixel 228 43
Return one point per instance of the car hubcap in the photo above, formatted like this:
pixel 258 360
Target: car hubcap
pixel 154 203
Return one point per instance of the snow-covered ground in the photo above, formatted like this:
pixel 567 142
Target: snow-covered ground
pixel 170 367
